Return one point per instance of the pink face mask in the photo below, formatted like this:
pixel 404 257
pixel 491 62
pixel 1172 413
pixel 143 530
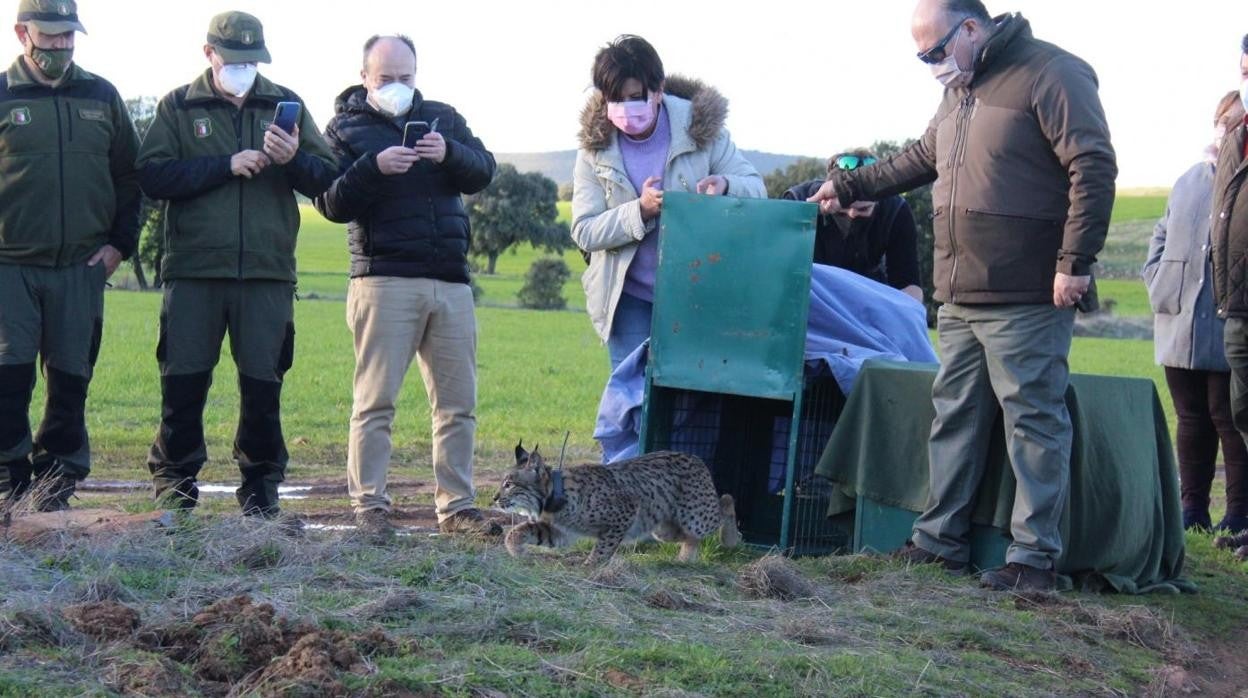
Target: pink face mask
pixel 633 118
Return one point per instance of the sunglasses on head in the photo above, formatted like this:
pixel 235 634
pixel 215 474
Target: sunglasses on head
pixel 937 53
pixel 853 162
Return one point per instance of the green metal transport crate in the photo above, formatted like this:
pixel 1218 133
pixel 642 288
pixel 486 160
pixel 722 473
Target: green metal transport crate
pixel 726 378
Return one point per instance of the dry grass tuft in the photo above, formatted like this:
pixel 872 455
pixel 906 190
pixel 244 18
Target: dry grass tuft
pixel 618 573
pixel 774 577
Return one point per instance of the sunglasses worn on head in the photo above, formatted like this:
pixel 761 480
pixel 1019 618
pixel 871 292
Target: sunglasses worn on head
pixel 853 162
pixel 936 53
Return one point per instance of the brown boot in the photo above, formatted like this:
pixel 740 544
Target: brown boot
pixel 912 554
pixel 1019 577
pixel 472 522
pixel 374 525
pixel 1231 542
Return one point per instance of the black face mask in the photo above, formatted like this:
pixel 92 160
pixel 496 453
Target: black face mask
pixel 52 62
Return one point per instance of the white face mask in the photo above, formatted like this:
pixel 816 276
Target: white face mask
pixel 1243 93
pixel 237 78
pixel 394 98
pixel 948 72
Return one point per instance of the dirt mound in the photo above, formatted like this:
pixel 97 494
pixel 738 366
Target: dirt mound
pixel 315 663
pixel 238 642
pixel 774 577
pixel 102 620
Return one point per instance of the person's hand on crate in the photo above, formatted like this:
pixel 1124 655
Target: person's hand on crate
pixel 714 185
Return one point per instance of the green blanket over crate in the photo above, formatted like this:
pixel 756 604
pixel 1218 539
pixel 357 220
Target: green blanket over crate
pixel 1123 526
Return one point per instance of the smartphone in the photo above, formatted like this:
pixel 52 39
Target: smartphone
pixel 286 116
pixel 413 131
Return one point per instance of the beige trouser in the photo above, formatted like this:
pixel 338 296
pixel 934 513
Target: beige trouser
pixel 395 319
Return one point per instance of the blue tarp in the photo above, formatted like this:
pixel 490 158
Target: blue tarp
pixel 852 319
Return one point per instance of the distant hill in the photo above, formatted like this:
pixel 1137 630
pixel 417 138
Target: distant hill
pixel 558 165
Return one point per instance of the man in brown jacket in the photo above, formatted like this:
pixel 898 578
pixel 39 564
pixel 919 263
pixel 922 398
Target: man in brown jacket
pixel 1230 262
pixel 1024 172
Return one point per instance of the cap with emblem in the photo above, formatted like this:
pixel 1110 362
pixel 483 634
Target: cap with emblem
pixel 238 37
pixel 51 16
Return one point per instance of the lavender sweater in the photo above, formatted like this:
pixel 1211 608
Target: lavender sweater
pixel 644 159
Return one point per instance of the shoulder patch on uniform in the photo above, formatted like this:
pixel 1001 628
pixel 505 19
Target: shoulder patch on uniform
pixel 265 124
pixel 93 114
pixel 19 116
pixel 203 128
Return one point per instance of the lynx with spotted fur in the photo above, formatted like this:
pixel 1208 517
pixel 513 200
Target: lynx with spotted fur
pixel 666 495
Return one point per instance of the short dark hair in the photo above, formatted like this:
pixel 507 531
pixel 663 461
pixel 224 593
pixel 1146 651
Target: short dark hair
pixel 372 41
pixel 968 8
pixel 628 56
pixel 1244 44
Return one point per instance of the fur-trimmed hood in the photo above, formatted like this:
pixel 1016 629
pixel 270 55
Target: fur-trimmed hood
pixel 708 111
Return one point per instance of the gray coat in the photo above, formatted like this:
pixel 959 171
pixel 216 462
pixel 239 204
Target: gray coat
pixel 1179 275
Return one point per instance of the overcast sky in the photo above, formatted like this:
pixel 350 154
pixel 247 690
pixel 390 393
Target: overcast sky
pixel 803 77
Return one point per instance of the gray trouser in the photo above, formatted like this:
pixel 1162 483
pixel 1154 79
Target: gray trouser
pixel 197 313
pixel 1014 356
pixel 54 316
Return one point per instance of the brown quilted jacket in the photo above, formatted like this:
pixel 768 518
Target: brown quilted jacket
pixel 1023 169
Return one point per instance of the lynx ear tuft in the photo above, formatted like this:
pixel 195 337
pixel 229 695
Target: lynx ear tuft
pixel 522 456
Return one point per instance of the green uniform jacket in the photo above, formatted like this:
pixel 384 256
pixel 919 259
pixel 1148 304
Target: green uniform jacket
pixel 218 225
pixel 67 180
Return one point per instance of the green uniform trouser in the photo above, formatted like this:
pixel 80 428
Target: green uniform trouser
pixel 54 315
pixel 1235 342
pixel 195 316
pixel 1014 356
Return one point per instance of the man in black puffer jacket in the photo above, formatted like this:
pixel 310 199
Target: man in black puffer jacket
pixel 409 294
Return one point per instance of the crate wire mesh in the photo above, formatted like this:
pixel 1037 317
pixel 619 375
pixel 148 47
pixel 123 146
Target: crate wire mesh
pixel 745 441
pixel 725 378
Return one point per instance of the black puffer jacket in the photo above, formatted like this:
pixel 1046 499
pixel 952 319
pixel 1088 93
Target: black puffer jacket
pixel 414 224
pixel 883 248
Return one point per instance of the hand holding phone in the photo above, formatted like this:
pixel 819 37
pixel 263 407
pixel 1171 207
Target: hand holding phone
pixel 413 131
pixel 287 116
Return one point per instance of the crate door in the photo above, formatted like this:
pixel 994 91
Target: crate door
pixel 732 294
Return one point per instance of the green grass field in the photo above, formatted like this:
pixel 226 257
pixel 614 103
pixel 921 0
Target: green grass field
pixel 468 620
pixel 1147 207
pixel 540 372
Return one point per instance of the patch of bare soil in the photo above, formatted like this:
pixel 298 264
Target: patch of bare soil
pixel 29 529
pixel 248 647
pixel 1221 671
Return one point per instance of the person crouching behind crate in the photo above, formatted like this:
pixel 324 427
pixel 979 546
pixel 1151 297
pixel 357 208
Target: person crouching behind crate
pixel 642 133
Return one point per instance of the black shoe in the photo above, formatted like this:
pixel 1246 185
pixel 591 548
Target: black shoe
pixel 258 497
pixel 1019 577
pixel 182 495
pixel 53 493
pixel 1197 520
pixel 472 522
pixel 914 555
pixel 17 478
pixel 1232 525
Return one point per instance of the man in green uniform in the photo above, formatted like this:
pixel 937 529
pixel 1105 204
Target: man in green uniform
pixel 69 214
pixel 229 177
